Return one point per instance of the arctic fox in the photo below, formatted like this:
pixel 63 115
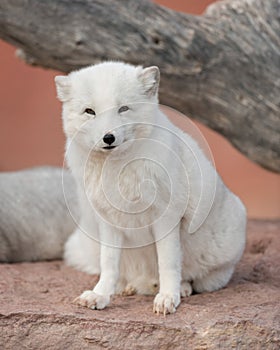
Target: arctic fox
pixel 155 216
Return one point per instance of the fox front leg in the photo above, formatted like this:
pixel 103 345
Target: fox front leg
pixel 99 297
pixel 169 264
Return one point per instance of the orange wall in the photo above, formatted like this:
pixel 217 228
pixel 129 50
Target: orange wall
pixel 31 132
pixel 189 6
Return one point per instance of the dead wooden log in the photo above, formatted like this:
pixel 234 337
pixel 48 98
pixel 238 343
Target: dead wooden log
pixel 222 68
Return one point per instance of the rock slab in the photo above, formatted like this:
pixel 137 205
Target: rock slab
pixel 36 310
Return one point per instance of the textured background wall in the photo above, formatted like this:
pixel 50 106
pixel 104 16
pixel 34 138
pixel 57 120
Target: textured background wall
pixel 31 132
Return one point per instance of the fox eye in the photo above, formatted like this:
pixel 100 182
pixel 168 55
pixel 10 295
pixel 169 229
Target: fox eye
pixel 123 109
pixel 89 111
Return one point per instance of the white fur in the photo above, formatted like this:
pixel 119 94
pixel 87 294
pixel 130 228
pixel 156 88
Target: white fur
pixel 154 202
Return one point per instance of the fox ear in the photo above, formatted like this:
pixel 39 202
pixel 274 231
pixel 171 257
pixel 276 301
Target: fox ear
pixel 62 87
pixel 150 79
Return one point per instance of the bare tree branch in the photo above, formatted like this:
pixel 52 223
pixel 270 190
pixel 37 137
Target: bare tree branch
pixel 222 68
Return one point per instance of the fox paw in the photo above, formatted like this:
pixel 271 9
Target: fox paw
pixel 141 286
pixel 166 303
pixel 129 290
pixel 186 289
pixel 92 300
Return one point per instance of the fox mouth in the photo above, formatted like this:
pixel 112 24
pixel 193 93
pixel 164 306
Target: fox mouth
pixel 108 147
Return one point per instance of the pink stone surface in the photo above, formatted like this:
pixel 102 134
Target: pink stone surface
pixel 36 310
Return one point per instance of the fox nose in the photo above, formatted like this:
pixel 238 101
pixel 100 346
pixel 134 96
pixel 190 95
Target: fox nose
pixel 109 139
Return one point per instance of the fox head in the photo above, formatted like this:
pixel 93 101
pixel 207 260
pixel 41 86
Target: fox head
pixel 107 104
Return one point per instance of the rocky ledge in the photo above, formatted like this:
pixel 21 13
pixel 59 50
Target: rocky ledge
pixel 36 310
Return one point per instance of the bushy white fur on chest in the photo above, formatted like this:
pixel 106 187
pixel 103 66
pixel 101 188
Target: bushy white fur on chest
pixel 155 215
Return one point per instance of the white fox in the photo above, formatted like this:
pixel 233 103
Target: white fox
pixel 155 215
